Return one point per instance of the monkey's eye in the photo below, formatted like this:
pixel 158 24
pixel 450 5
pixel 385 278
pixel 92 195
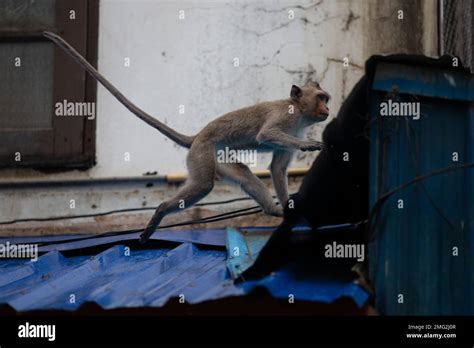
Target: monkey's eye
pixel 323 98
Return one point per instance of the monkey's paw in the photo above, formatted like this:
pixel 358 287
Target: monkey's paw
pixel 312 145
pixel 144 237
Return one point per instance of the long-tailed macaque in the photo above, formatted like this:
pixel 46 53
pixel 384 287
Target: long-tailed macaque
pixel 275 126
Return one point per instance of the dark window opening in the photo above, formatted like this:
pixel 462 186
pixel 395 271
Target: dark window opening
pixel 35 75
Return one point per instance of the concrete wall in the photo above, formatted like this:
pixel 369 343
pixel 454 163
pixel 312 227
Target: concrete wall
pixel 190 62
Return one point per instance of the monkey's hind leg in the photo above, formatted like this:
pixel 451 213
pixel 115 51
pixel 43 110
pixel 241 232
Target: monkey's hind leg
pixel 253 186
pixel 202 167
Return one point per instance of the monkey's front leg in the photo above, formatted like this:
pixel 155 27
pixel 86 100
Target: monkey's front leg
pixel 278 168
pixel 279 139
pixel 254 187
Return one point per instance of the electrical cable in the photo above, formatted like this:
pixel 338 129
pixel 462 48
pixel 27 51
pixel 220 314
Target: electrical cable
pixel 56 218
pixel 378 204
pixel 213 218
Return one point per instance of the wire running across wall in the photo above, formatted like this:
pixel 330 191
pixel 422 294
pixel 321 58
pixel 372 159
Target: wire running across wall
pixel 125 210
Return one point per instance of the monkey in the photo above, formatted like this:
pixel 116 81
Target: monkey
pixel 275 126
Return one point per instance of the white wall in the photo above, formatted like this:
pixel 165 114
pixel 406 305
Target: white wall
pixel 190 62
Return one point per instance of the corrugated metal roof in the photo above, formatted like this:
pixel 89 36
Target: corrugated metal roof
pixel 115 278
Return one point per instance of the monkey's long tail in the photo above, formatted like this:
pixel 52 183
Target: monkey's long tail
pixel 179 138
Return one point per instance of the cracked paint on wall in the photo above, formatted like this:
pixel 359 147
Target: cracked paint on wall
pixel 198 69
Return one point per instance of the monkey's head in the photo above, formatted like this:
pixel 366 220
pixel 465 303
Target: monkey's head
pixel 312 100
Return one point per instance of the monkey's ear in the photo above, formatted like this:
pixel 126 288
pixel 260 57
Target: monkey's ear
pixel 296 92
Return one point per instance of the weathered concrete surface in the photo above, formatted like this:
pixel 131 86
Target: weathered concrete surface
pixel 190 62
pixel 416 33
pixel 51 202
pixel 132 221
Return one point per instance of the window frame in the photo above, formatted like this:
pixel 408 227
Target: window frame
pixel 70 143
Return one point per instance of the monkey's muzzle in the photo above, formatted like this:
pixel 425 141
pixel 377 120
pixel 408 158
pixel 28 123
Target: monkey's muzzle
pixel 324 117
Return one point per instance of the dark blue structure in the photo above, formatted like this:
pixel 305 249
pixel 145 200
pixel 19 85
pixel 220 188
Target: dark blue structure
pixel 423 248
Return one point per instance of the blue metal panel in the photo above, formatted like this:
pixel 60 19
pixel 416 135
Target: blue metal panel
pixel 413 252
pixel 407 79
pixel 469 253
pixel 146 278
pixel 113 279
pixel 214 237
